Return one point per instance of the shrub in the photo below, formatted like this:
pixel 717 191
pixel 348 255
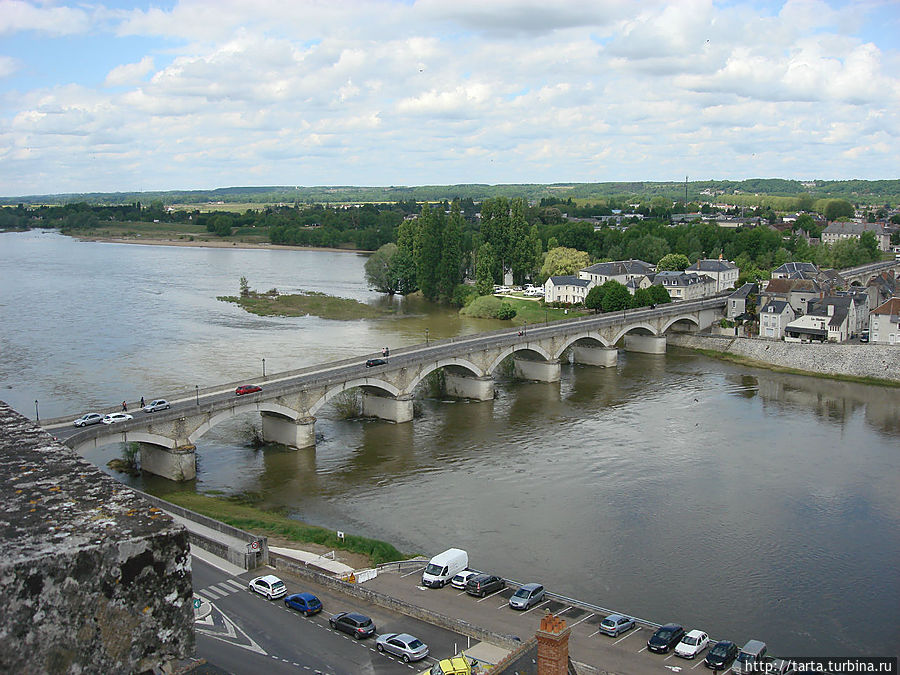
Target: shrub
pixel 506 311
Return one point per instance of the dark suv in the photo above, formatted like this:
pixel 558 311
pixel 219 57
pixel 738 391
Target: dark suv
pixel 484 584
pixel 665 638
pixel 357 625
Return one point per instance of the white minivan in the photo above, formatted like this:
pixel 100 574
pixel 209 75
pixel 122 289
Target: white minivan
pixel 444 566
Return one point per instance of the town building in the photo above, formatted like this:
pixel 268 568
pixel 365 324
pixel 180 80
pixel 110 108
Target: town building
pixel 837 231
pixel 724 272
pixel 773 319
pixel 793 269
pixel 683 286
pixel 622 271
pixel 798 292
pixel 567 288
pixel 884 323
pixel 738 302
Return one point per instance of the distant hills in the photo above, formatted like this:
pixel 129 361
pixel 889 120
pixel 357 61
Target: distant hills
pixel 856 191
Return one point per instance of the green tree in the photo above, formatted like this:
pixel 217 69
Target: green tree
pixel 673 261
pixel 615 297
pixel 245 287
pixel 594 298
pixel 428 251
pixel 484 270
pixel 506 311
pixel 562 260
pixel 659 295
pixel 451 261
pixel 380 271
pixel 642 298
pixel 838 208
pixel 869 245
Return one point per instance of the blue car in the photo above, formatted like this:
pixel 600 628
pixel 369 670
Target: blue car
pixel 305 603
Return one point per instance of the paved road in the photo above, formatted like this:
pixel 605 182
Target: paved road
pixel 248 634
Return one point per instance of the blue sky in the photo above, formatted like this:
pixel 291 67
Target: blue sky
pixel 121 96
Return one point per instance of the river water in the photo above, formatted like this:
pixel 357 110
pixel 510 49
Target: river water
pixel 675 488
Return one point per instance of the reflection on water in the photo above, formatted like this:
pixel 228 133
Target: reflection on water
pixel 747 503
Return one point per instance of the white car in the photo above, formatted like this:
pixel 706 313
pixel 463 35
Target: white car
pixel 461 579
pixel 692 644
pixel 269 586
pixel 156 404
pixel 112 418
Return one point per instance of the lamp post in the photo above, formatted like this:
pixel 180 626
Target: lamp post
pixel 546 320
pixel 197 391
pixel 37 417
pixel 525 328
pixel 264 369
pixel 426 336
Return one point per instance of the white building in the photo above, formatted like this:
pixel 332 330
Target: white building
pixel 569 289
pixel 724 272
pixel 846 230
pixel 683 286
pixel 774 318
pixel 884 323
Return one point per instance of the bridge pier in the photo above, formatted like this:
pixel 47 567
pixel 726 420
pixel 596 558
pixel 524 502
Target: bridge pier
pixel 604 357
pixel 646 344
pixel 293 433
pixel 542 371
pixel 396 409
pixel 178 464
pixel 475 388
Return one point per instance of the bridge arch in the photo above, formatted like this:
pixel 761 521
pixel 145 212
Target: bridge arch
pixel 675 319
pixel 261 406
pixel 532 347
pixel 371 383
pixel 123 437
pixel 462 363
pixel 641 328
pixel 586 339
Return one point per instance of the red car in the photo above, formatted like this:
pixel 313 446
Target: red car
pixel 247 389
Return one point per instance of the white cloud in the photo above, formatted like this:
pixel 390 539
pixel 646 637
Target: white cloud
pixel 17 16
pixel 129 73
pixel 8 66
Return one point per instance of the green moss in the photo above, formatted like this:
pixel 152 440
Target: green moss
pixel 238 513
pixel 301 304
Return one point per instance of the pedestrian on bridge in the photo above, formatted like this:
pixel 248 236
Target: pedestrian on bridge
pixel 124 407
pixel 142 401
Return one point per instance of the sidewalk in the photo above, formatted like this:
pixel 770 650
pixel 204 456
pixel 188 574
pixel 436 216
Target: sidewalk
pixel 313 559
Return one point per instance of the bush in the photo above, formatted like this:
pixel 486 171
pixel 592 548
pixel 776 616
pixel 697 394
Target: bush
pixel 506 311
pixel 463 295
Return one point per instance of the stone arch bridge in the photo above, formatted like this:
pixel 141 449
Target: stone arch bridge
pixel 289 401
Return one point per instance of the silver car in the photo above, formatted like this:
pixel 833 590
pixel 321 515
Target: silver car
pixel 407 647
pixel 157 404
pixel 88 418
pixel 527 596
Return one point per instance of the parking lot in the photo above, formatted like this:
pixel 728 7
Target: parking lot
pixel 625 654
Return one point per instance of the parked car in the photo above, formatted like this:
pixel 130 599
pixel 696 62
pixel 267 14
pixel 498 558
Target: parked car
pixel 721 655
pixel 864 336
pixel 484 584
pixel 665 638
pixel 751 653
pixel 455 665
pixel 305 603
pixel 527 596
pixel 112 418
pixel 156 404
pixel 269 586
pixel 441 569
pixel 404 645
pixel 461 579
pixel 357 625
pixel 692 644
pixel 88 418
pixel 615 624
pixel 375 362
pixel 247 389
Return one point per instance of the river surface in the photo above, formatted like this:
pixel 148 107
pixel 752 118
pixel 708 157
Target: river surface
pixel 674 488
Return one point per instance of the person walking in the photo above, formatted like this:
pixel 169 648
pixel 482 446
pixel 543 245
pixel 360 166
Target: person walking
pixel 142 401
pixel 124 407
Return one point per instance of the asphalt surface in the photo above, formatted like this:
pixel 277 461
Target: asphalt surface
pixel 246 633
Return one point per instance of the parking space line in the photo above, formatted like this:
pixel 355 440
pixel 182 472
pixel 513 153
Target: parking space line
pixel 409 574
pixel 584 619
pixel 564 611
pixel 698 664
pixel 488 596
pixel 596 632
pixel 642 649
pixel 627 635
pixel 505 604
pixel 540 604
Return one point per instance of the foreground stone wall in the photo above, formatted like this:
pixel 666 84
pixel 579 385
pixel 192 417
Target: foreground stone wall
pixel 864 360
pixel 94 579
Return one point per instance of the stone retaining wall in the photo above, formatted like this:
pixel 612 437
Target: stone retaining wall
pixel 856 360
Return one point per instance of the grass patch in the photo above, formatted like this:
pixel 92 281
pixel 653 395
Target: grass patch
pixel 527 311
pixel 307 302
pixel 753 363
pixel 259 521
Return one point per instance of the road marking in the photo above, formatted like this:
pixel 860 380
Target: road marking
pixel 488 596
pixel 540 604
pixel 642 649
pixel 209 595
pixel 409 574
pixel 564 611
pixel 699 663
pixel 237 584
pixel 222 588
pixel 584 619
pixel 633 631
pixel 596 632
pixel 505 604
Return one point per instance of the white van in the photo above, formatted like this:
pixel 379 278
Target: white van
pixel 444 566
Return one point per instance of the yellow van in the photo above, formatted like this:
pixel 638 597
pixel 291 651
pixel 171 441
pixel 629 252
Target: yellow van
pixel 456 665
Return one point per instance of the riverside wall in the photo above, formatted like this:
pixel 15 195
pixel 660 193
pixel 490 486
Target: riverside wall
pixel 853 360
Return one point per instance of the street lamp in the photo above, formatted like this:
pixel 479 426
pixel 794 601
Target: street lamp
pixel 264 369
pixel 37 417
pixel 197 391
pixel 525 328
pixel 426 336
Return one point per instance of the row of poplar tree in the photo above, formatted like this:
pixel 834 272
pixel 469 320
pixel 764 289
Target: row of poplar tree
pixel 434 252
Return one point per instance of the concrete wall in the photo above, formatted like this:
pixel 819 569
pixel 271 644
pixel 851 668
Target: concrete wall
pixel 863 360
pixel 94 578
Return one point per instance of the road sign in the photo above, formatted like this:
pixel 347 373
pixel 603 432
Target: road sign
pixel 197 603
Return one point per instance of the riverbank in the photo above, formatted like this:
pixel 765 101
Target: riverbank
pixel 285 531
pixel 867 364
pixel 194 242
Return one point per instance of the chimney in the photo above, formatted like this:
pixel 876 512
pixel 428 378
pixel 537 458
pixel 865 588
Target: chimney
pixel 553 646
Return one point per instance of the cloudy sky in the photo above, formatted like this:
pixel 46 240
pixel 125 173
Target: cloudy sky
pixel 195 94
